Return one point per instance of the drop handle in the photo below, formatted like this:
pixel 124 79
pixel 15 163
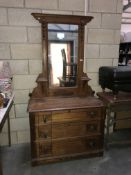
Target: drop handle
pixel 46 149
pixel 44 119
pixel 45 135
pixel 92 143
pixel 91 127
pixel 93 114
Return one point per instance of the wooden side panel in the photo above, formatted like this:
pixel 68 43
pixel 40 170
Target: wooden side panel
pixel 32 134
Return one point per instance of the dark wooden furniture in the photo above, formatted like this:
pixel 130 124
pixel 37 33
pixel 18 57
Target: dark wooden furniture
pixel 120 104
pixel 4 115
pixel 115 78
pixel 65 121
pixel 66 128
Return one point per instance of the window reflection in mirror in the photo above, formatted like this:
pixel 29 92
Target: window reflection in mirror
pixel 62 55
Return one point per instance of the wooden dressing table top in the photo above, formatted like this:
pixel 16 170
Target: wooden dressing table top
pixel 60 103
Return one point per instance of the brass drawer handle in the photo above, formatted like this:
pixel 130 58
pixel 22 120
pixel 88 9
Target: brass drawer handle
pixel 92 114
pixel 91 127
pixel 45 135
pixel 44 119
pixel 44 149
pixel 92 143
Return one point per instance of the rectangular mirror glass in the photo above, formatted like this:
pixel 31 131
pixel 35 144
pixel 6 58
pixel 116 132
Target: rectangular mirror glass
pixel 62 55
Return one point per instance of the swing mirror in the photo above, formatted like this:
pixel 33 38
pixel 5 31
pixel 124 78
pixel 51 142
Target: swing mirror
pixel 62 55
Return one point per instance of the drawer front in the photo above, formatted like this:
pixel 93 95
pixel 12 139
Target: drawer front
pixel 77 115
pixel 76 145
pixel 44 132
pixel 75 129
pixel 43 118
pixel 43 149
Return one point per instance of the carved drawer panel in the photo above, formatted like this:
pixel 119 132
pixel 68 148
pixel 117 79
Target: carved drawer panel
pixel 75 129
pixel 43 132
pixel 43 118
pixel 77 115
pixel 75 145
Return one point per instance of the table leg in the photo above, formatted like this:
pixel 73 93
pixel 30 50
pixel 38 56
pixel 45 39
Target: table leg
pixel 1 172
pixel 1 168
pixel 9 135
pixel 108 112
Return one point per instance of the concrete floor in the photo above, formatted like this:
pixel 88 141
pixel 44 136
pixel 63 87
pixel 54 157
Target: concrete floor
pixel 116 161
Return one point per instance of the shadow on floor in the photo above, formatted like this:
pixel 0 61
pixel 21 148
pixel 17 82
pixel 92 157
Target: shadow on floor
pixel 116 161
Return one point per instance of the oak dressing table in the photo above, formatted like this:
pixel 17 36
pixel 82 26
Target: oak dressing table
pixel 66 120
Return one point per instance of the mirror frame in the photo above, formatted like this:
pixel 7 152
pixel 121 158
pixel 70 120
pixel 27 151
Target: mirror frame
pixel 43 80
pixel 62 55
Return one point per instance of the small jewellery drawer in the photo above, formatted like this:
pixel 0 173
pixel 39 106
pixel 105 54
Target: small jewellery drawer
pixel 43 149
pixel 43 131
pixel 42 118
pixel 75 145
pixel 70 129
pixel 77 115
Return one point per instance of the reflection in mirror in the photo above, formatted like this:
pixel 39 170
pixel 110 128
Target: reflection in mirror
pixel 62 55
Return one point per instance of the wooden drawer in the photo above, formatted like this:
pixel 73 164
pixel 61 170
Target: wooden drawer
pixel 75 129
pixel 77 115
pixel 75 145
pixel 43 149
pixel 44 132
pixel 122 124
pixel 123 120
pixel 43 118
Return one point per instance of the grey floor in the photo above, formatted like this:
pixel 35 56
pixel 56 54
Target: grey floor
pixel 116 161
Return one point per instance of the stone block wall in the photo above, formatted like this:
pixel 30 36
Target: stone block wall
pixel 20 44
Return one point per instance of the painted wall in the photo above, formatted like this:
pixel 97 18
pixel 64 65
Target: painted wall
pixel 20 44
